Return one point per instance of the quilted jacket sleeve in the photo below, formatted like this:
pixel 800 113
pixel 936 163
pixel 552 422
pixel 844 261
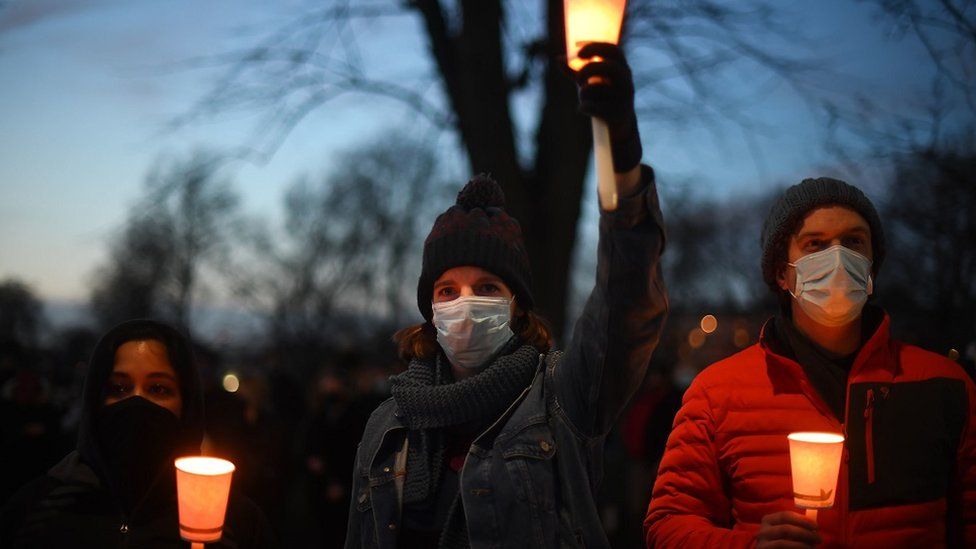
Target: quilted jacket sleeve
pixel 689 506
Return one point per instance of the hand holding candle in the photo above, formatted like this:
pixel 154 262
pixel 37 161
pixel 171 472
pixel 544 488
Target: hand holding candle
pixel 202 486
pixel 589 21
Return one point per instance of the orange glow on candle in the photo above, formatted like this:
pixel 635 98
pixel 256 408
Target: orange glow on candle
pixel 202 486
pixel 591 21
pixel 815 461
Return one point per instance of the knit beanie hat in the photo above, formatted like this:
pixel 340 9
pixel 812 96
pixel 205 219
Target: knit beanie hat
pixel 788 213
pixel 476 232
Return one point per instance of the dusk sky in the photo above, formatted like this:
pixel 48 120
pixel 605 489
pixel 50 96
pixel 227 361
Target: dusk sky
pixel 88 88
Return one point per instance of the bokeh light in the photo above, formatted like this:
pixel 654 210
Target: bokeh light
pixel 708 323
pixel 741 338
pixel 231 383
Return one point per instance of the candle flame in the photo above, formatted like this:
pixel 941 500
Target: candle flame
pixel 812 436
pixel 204 465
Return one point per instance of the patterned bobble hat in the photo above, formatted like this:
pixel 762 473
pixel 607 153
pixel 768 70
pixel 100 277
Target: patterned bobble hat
pixel 477 232
pixel 791 208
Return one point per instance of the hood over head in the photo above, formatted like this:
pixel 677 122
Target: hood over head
pixel 100 367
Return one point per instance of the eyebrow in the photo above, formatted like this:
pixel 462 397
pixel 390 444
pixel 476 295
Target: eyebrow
pixel 163 375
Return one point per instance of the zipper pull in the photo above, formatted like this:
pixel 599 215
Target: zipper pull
pixel 869 404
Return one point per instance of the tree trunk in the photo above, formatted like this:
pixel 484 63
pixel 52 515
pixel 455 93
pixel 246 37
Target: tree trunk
pixel 563 152
pixel 546 198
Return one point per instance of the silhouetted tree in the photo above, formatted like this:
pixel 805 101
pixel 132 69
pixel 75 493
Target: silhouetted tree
pixel 713 251
pixel 485 55
pixel 131 285
pixel 183 222
pixel 947 31
pixel 21 314
pixel 929 111
pixel 929 280
pixel 346 261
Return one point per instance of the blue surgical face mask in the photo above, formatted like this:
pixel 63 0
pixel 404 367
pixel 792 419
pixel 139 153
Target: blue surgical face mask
pixel 472 329
pixel 832 285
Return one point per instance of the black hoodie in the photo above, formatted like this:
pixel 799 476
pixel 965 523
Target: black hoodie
pixel 78 503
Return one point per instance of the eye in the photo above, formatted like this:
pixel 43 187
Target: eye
pixel 447 292
pixel 161 390
pixel 813 244
pixel 488 288
pixel 854 242
pixel 117 389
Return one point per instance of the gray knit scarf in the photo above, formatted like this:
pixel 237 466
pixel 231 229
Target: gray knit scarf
pixel 428 401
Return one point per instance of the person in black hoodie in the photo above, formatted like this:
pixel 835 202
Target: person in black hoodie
pixel 142 408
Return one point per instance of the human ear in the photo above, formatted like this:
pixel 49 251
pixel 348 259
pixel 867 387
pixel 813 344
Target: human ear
pixel 786 278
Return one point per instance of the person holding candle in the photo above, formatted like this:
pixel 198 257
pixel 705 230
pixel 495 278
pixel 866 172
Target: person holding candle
pixel 142 407
pixel 491 438
pixel 825 363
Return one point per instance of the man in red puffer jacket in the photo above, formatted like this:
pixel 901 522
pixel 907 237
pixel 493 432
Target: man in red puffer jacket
pixel 826 363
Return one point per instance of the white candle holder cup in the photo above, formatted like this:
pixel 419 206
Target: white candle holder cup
pixel 815 463
pixel 203 487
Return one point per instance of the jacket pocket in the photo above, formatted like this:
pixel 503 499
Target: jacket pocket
pixel 903 439
pixel 528 458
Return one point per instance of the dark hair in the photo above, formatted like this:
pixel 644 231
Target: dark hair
pixel 147 333
pixel 420 340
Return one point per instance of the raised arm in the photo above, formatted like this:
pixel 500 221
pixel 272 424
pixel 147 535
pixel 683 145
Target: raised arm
pixel 619 328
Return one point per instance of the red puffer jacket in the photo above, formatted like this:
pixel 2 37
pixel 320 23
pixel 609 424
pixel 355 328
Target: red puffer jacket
pixel 908 475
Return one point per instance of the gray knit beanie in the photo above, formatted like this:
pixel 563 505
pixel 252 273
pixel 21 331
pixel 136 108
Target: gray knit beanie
pixel 788 213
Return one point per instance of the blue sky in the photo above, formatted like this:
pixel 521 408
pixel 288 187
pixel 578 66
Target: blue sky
pixel 87 87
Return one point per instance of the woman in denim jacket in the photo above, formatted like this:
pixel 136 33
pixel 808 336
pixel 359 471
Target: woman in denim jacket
pixel 491 439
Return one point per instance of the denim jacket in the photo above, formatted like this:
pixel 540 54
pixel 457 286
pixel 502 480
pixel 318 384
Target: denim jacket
pixel 529 479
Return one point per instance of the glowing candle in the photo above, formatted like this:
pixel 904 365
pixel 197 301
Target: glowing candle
pixel 595 21
pixel 591 21
pixel 202 486
pixel 815 461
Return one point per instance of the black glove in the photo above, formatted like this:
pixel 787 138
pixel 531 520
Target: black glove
pixel 611 97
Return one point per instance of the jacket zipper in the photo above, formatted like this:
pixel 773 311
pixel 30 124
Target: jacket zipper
pixel 869 433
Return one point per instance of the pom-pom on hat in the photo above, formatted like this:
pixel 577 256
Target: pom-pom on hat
pixel 791 208
pixel 478 232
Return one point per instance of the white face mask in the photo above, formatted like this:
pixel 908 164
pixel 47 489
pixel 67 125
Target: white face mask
pixel 832 285
pixel 472 329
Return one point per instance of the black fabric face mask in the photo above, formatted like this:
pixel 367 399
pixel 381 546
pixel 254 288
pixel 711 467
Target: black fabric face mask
pixel 138 442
